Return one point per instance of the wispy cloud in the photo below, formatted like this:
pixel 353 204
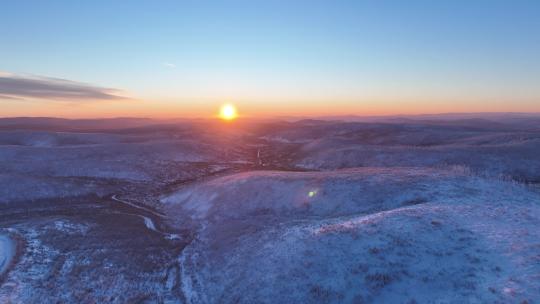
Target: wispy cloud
pixel 4 97
pixel 14 86
pixel 169 65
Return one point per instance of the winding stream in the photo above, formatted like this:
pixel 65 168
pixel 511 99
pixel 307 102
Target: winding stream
pixel 148 222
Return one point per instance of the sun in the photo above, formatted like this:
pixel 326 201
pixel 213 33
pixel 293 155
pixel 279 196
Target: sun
pixel 228 112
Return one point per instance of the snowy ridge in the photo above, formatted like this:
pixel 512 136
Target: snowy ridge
pixel 430 236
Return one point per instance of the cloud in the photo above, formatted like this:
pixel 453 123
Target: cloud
pixel 4 97
pixel 36 87
pixel 169 65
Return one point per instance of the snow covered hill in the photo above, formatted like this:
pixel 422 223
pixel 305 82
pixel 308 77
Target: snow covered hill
pixel 400 235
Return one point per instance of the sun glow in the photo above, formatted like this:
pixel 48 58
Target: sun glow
pixel 228 112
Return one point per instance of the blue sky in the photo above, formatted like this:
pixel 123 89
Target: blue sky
pixel 368 57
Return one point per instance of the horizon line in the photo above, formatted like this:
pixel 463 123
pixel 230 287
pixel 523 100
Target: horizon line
pixel 280 116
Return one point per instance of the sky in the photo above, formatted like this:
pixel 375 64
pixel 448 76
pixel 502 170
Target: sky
pixel 269 58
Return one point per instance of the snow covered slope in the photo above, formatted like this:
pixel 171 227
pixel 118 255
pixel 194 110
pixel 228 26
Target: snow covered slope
pixel 486 147
pixel 361 235
pixel 7 251
pixel 329 193
pixel 515 158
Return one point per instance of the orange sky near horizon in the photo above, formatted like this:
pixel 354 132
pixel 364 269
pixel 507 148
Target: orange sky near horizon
pixel 265 109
